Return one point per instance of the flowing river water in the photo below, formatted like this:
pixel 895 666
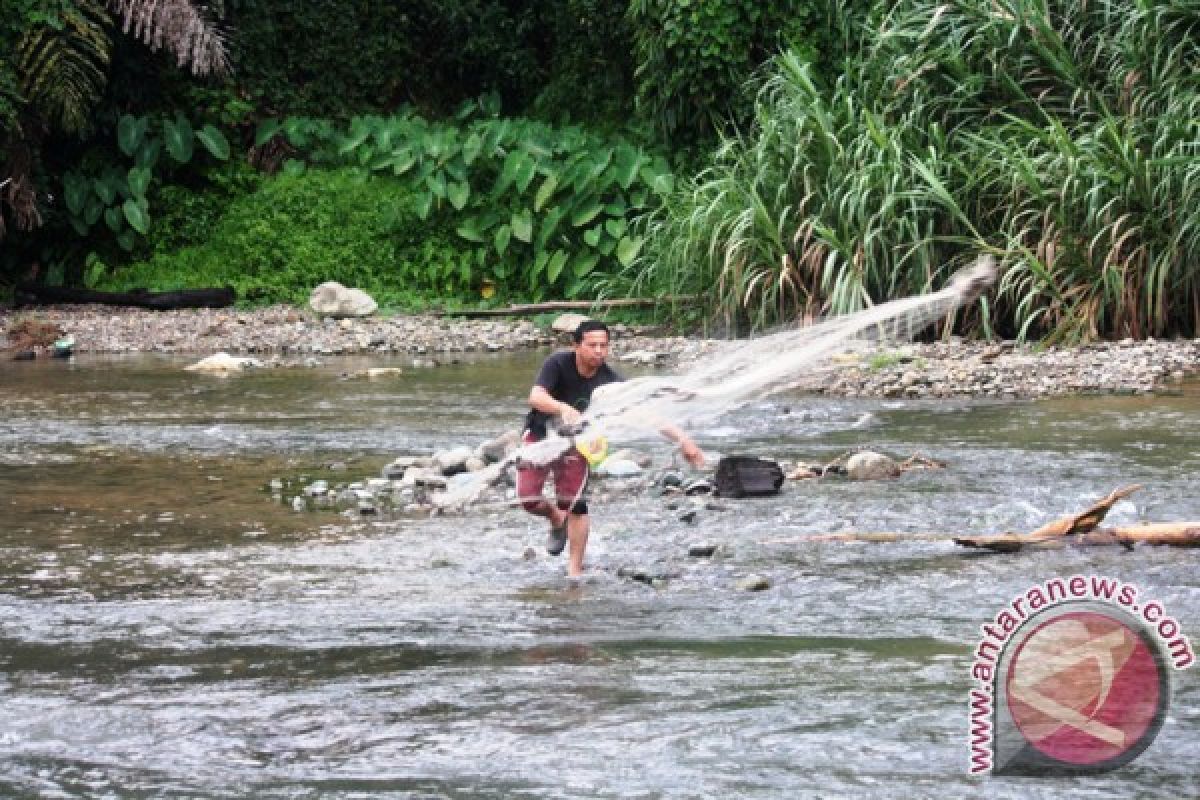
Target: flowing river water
pixel 167 630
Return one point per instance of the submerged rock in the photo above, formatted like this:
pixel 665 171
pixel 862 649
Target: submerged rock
pixel 223 362
pixel 753 583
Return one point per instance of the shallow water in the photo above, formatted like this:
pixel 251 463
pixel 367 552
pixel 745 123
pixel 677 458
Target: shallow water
pixel 167 630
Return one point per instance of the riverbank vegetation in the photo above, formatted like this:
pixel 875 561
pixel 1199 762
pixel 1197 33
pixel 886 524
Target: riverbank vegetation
pixel 778 164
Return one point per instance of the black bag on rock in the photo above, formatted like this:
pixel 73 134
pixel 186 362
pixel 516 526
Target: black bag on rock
pixel 748 476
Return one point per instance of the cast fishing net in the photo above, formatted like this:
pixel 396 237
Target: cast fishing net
pixel 738 373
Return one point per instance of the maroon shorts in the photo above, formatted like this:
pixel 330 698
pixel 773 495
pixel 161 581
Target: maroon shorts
pixel 570 480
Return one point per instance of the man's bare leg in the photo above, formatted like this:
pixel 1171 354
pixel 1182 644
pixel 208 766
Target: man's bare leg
pixel 577 537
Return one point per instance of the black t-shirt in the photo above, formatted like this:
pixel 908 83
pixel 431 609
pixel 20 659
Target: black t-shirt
pixel 560 377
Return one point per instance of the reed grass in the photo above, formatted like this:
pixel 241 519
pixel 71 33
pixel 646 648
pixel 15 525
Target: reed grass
pixel 1061 136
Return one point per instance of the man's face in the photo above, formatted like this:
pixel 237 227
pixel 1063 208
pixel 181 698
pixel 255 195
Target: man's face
pixel 592 350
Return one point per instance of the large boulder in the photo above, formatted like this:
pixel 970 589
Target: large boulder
pixel 331 299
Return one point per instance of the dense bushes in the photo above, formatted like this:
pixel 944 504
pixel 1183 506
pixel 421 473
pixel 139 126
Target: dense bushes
pixel 298 230
pixel 1061 136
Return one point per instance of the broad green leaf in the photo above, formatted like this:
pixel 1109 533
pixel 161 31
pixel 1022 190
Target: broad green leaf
pixel 130 130
pixel 471 148
pixel 126 239
pixel 296 131
pixel 539 264
pixel 353 140
pixel 214 142
pixel 617 208
pixel 522 225
pixel 139 181
pixel 93 210
pixel 592 236
pixel 503 233
pixel 583 263
pixel 114 220
pixel 106 190
pixel 424 204
pixel 549 225
pixel 470 231
pixel 437 184
pixel 266 131
pixel 179 138
pixel 136 217
pixel 458 193
pixel 147 154
pixel 628 249
pixel 507 172
pixel 293 167
pixel 79 225
pixel 626 162
pixel 526 169
pixel 616 227
pixel 75 192
pixel 544 192
pixel 555 265
pixel 376 162
pixel 402 161
pixel 586 214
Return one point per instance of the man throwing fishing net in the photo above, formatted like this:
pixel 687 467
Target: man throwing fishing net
pixel 560 394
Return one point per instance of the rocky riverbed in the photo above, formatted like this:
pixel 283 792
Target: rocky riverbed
pixel 940 369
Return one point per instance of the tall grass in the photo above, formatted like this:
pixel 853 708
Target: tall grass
pixel 1062 136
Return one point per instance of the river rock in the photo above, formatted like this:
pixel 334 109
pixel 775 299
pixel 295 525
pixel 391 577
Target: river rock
pixel 567 323
pixel 870 466
pixel 453 461
pixel 223 362
pixel 618 468
pixel 499 448
pixel 332 299
pixel 753 583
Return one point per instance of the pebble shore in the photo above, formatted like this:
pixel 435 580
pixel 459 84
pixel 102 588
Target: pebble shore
pixel 940 369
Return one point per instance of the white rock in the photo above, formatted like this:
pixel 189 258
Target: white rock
pixel 618 468
pixel 334 300
pixel 567 323
pixel 869 466
pixel 223 362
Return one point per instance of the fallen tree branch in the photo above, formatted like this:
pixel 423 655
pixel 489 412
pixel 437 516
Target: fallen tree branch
pixel 569 305
pixel 1077 530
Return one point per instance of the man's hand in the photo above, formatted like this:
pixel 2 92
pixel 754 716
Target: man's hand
pixel 570 415
pixel 693 454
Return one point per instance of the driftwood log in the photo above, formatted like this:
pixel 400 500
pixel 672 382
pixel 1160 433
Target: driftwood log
pixel 1077 530
pixel 28 294
pixel 568 305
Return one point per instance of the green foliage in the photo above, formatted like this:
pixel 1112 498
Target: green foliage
pixel 539 210
pixel 693 57
pixel 296 231
pixel 117 192
pixel 1060 136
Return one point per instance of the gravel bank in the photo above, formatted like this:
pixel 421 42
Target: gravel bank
pixel 942 369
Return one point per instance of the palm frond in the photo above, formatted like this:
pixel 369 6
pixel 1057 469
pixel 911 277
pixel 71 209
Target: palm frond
pixel 64 66
pixel 179 26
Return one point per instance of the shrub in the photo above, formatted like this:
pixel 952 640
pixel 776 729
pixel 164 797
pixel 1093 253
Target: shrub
pixel 296 231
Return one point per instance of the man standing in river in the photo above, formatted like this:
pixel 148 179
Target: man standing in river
pixel 563 389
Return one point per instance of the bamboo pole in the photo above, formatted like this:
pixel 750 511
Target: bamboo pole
pixel 568 305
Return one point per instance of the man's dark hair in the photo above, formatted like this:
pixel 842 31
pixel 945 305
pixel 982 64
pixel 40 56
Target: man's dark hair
pixel 587 326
